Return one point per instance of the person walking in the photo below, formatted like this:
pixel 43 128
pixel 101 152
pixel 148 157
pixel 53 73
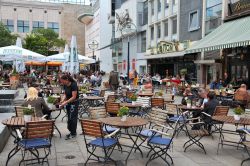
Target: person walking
pixel 113 80
pixel 71 102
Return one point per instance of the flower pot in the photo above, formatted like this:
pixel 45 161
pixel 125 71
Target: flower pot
pixel 236 117
pixel 188 105
pixel 27 118
pixel 124 118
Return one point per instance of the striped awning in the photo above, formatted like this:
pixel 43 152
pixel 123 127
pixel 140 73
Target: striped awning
pixel 231 34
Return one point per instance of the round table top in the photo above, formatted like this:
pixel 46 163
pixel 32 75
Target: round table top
pixel 18 121
pixel 146 94
pixel 230 119
pixel 130 105
pixel 93 98
pixel 184 107
pixel 130 121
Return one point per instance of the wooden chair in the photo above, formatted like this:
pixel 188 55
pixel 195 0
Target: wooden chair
pixel 97 112
pixel 19 111
pixel 107 143
pixel 221 111
pixel 38 135
pixel 112 108
pixel 157 102
pixel 129 94
pixel 111 98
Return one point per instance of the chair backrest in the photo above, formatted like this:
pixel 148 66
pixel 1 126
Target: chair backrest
pixel 172 109
pixel 145 101
pixel 112 108
pixel 19 111
pixel 129 94
pixel 221 111
pixel 111 98
pixel 102 93
pixel 39 129
pixel 56 90
pixel 158 115
pixel 91 128
pixel 97 112
pixel 157 102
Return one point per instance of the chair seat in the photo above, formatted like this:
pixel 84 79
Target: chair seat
pixel 200 133
pixel 160 140
pixel 109 129
pixel 103 142
pixel 148 133
pixel 175 118
pixel 241 130
pixel 34 143
pixel 246 143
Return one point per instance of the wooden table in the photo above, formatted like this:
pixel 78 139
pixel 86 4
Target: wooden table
pixel 130 122
pixel 146 94
pixel 18 122
pixel 4 86
pixel 229 120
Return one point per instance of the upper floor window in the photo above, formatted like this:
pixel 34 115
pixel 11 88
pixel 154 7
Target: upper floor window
pixel 8 24
pixel 38 24
pixel 23 26
pixel 159 5
pixel 54 26
pixel 174 26
pixel 159 31
pixel 152 8
pixel 166 28
pixel 193 22
pixel 166 4
pixel 152 33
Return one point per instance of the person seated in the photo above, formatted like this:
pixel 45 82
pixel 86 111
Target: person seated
pixel 187 95
pixel 241 95
pixel 215 85
pixel 40 92
pixel 202 97
pixel 148 84
pixel 41 108
pixel 209 108
pixel 156 79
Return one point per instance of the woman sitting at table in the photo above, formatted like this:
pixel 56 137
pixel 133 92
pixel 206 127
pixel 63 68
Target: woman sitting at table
pixel 187 95
pixel 241 95
pixel 37 102
pixel 148 84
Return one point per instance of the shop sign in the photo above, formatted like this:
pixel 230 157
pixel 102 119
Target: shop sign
pixel 239 7
pixel 163 47
pixel 12 52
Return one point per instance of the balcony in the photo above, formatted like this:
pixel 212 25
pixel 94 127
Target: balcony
pixel 85 15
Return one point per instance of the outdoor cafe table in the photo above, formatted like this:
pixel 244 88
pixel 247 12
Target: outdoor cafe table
pixel 229 120
pixel 93 99
pixel 135 108
pixel 146 94
pixel 129 123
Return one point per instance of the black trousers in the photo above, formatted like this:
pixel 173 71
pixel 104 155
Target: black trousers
pixel 72 112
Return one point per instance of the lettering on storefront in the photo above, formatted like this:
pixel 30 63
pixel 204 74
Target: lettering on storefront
pixel 12 52
pixel 163 47
pixel 239 7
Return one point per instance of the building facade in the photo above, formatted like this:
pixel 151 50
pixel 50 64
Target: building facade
pixel 22 16
pixel 99 30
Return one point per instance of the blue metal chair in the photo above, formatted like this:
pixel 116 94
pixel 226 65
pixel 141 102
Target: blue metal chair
pixel 37 136
pixel 160 145
pixel 246 145
pixel 107 143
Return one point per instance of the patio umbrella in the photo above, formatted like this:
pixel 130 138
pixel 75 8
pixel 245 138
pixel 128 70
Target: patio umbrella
pixel 19 63
pixel 61 58
pixel 65 66
pixel 74 63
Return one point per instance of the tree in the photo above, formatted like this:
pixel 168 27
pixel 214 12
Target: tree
pixel 6 38
pixel 43 41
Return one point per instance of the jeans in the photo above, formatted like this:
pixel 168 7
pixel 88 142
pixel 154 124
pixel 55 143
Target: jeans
pixel 72 112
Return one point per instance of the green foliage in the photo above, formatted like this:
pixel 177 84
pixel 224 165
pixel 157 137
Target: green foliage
pixel 160 93
pixel 28 111
pixel 123 111
pixel 51 100
pixel 133 97
pixel 238 111
pixel 43 41
pixel 183 71
pixel 6 38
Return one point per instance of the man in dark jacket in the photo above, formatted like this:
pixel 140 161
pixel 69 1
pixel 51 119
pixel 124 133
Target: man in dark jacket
pixel 209 108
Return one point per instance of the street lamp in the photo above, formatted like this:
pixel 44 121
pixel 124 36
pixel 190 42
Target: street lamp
pixel 93 45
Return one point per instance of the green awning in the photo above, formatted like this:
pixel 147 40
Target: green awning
pixel 231 34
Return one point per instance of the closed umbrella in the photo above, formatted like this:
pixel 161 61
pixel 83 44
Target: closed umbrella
pixel 74 63
pixel 65 66
pixel 20 66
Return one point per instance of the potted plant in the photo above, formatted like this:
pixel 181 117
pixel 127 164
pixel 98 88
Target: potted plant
pixel 123 112
pixel 14 77
pixel 51 102
pixel 237 112
pixel 27 113
pixel 133 98
pixel 159 94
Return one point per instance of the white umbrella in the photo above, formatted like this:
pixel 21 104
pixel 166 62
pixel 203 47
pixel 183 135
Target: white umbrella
pixel 61 58
pixel 74 63
pixel 66 59
pixel 20 66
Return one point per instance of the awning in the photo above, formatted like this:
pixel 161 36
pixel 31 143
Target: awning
pixel 231 34
pixel 168 55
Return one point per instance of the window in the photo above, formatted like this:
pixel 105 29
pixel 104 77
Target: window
pixel 54 26
pixel 9 24
pixel 174 2
pixel 159 5
pixel 152 33
pixel 213 15
pixel 174 26
pixel 152 7
pixel 159 31
pixel 166 29
pixel 23 26
pixel 38 24
pixel 145 13
pixel 166 4
pixel 193 21
pixel 143 41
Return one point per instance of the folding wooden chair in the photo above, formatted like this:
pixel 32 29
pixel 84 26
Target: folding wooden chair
pixel 246 145
pixel 112 108
pixel 106 142
pixel 157 102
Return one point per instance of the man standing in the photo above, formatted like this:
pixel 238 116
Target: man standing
pixel 113 80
